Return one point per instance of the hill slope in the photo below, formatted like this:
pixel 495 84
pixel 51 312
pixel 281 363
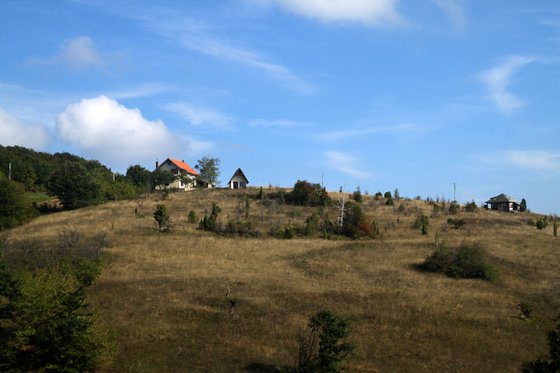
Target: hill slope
pixel 167 296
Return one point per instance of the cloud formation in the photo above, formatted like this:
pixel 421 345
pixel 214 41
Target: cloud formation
pixel 199 116
pixel 78 54
pixel 454 11
pixel 119 136
pixel 338 135
pixel 346 164
pixel 369 12
pixel 13 132
pixel 530 160
pixel 279 123
pixel 498 78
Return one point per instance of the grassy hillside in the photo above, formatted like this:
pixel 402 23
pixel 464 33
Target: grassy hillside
pixel 167 296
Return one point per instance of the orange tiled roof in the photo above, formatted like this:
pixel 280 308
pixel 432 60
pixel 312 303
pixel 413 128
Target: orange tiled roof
pixel 183 166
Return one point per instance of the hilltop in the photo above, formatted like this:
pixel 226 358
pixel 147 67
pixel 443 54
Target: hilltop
pixel 166 296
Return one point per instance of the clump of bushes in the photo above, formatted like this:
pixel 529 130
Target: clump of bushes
pixel 471 206
pixel 321 349
pixel 542 223
pixel 454 207
pixel 463 262
pixel 307 194
pixel 209 223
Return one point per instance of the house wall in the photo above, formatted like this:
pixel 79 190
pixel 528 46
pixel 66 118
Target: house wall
pixel 188 180
pixel 242 183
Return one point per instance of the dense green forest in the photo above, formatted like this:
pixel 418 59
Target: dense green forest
pixel 34 182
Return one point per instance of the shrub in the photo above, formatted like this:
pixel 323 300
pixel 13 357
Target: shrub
pixel 457 223
pixel 390 202
pixel 396 194
pixel 471 206
pixel 326 331
pixel 162 218
pixel 555 228
pixel 46 323
pixel 401 208
pixel 192 218
pixel 464 262
pixel 307 194
pixel 542 223
pixel 552 362
pixel 353 217
pixel 14 209
pixel 357 195
pixel 421 222
pixel 525 310
pixel 454 207
pixel 378 196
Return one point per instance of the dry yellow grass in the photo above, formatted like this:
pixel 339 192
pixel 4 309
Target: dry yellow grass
pixel 164 295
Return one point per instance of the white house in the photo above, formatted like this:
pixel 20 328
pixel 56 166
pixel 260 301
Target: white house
pixel 238 180
pixel 185 175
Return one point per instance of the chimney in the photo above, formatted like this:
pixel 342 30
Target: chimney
pixel 157 163
pixel 183 160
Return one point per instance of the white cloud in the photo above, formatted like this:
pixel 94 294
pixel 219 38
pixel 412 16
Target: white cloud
pixel 269 123
pixel 370 12
pixel 13 132
pixel 333 136
pixel 78 54
pixel 119 136
pixel 346 164
pixel 536 160
pixel 532 160
pixel 454 11
pixel 199 116
pixel 143 90
pixel 498 78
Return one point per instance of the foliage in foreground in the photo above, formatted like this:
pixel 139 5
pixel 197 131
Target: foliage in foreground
pixel 45 322
pixel 550 364
pixel 321 350
pixel 463 262
pixel 14 209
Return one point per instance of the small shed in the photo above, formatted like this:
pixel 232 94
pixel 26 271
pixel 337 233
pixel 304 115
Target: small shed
pixel 238 180
pixel 502 202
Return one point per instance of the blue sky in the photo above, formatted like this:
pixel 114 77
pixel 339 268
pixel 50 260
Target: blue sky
pixel 384 94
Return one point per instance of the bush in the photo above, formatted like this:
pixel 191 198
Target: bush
pixel 357 195
pixel 311 224
pixel 208 223
pixel 162 218
pixel 46 323
pixel 542 223
pixel 471 206
pixel 457 223
pixel 353 217
pixel 421 222
pixel 387 195
pixel 192 218
pixel 454 207
pixel 14 209
pixel 464 262
pixel 390 202
pixel 552 362
pixel 307 194
pixel 326 331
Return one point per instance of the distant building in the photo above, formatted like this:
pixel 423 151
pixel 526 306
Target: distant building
pixel 238 180
pixel 502 202
pixel 185 175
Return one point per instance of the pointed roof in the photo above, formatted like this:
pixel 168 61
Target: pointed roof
pixel 239 173
pixel 501 198
pixel 181 165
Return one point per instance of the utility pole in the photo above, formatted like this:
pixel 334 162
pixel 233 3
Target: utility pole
pixel 10 171
pixel 454 192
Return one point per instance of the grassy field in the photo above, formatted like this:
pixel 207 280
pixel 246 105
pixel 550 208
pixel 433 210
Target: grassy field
pixel 166 296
